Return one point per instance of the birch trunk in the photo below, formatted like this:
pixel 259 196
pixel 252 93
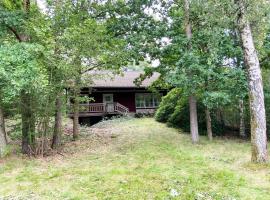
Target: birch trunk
pixel 192 99
pixel 208 124
pixel 242 131
pixel 3 138
pixel 256 95
pixel 57 132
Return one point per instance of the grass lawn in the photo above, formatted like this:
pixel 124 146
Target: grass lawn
pixel 138 159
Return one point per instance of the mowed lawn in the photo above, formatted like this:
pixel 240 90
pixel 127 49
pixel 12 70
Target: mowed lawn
pixel 138 159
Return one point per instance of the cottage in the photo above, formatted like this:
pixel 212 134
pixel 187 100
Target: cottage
pixel 119 95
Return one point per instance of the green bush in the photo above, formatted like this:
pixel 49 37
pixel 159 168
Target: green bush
pixel 180 116
pixel 167 105
pixel 174 110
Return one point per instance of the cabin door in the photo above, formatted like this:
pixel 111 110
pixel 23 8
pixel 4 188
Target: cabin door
pixel 108 101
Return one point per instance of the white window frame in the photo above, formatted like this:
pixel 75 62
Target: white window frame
pixel 152 95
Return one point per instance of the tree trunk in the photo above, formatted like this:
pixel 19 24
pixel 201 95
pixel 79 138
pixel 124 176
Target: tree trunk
pixel 28 123
pixel 57 132
pixel 3 138
pixel 26 5
pixel 193 119
pixel 192 99
pixel 208 124
pixel 77 90
pixel 256 95
pixel 242 131
pixel 76 115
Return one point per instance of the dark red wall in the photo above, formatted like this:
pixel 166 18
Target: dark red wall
pixel 124 96
pixel 127 99
pixel 97 97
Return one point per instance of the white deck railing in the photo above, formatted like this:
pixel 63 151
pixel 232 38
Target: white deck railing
pixel 109 108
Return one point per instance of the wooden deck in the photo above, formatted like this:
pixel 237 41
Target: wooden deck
pixel 101 109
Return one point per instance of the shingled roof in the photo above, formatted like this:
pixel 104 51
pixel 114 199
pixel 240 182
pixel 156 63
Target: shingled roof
pixel 106 79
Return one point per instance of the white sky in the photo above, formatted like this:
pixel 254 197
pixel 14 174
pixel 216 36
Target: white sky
pixel 42 4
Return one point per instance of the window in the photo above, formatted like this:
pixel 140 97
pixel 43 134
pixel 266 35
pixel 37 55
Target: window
pixel 147 100
pixel 107 98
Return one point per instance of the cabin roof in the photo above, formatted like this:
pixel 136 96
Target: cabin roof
pixel 106 79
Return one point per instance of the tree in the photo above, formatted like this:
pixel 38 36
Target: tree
pixel 24 80
pixel 28 122
pixel 41 55
pixel 256 94
pixel 192 60
pixel 198 68
pixel 59 71
pixel 87 44
pixel 23 61
pixel 145 32
pixel 192 99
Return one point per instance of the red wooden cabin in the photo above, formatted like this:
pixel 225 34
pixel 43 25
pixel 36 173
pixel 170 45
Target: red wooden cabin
pixel 119 95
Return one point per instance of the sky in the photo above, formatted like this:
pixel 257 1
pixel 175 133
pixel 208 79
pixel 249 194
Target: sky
pixel 41 4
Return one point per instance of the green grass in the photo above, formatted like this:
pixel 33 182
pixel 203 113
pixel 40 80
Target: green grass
pixel 138 159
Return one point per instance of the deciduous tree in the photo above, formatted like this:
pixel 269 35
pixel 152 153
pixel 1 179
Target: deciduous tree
pixel 256 94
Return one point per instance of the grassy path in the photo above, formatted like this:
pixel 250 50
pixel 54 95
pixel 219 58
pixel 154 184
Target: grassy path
pixel 138 159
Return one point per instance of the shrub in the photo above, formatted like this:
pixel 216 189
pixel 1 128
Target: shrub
pixel 180 116
pixel 174 110
pixel 167 105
